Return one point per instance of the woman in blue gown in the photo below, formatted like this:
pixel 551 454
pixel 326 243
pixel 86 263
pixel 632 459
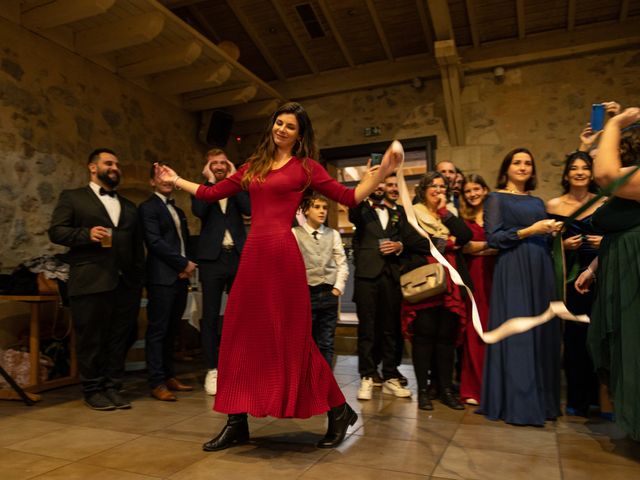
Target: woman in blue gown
pixel 521 382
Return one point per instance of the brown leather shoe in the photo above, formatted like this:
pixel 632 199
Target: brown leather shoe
pixel 177 386
pixel 161 392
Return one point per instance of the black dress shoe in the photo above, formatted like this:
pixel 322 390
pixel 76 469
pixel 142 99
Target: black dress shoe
pixel 450 400
pixel 98 401
pixel 424 402
pixel 340 419
pixel 235 432
pixel 115 397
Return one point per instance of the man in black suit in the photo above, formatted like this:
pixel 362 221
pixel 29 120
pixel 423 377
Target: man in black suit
pixel 391 197
pixel 382 235
pixel 222 237
pixel 106 255
pixel 168 270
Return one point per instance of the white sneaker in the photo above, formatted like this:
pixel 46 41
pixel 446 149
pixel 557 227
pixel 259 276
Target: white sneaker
pixel 366 388
pixel 211 382
pixel 393 387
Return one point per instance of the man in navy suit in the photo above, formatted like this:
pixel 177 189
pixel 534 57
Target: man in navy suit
pixel 106 255
pixel 222 237
pixel 168 271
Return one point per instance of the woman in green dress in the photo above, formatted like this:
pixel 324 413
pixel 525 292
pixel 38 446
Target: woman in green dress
pixel 614 335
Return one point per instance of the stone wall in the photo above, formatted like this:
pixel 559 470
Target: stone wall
pixel 543 107
pixel 55 107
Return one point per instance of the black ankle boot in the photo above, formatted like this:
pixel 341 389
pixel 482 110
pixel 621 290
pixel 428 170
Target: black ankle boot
pixel 450 400
pixel 235 432
pixel 424 402
pixel 340 418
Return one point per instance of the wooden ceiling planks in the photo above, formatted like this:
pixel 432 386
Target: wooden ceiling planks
pixel 546 15
pixel 273 34
pixel 597 11
pixel 324 50
pixel 402 28
pixel 496 20
pixel 356 27
pixel 460 22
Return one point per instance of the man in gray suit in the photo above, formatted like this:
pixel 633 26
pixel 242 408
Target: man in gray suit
pixel 106 255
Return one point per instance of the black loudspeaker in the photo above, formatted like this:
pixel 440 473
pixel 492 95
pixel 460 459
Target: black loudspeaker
pixel 215 128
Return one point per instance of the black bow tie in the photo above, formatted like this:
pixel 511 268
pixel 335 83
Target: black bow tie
pixel 111 193
pixel 315 235
pixel 171 201
pixel 381 206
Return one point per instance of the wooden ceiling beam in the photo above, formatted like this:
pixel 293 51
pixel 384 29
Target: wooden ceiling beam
pixel 125 33
pixel 162 59
pixel 571 15
pixel 204 23
pixel 424 23
pixel 624 10
pixel 552 46
pixel 191 79
pixel 254 110
pixel 292 32
pixel 520 18
pixel 173 4
pixel 378 26
pixel 255 38
pixel 441 18
pixel 222 99
pixel 61 12
pixel 447 57
pixel 336 34
pixel 530 50
pixel 364 76
pixel 473 22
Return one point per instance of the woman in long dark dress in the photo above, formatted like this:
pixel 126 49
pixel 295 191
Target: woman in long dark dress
pixel 521 383
pixel 581 246
pixel 269 364
pixel 481 262
pixel 614 334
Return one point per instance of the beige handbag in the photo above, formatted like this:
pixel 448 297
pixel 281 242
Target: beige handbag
pixel 423 282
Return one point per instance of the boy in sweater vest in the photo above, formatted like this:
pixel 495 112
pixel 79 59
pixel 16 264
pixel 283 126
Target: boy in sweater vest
pixel 327 270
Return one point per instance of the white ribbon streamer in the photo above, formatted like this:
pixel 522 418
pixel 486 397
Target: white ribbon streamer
pixel 510 327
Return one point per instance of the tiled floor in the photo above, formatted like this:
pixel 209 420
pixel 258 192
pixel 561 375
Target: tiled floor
pixel 62 439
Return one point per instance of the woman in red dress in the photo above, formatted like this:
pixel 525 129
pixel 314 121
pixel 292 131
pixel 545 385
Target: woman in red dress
pixel 269 364
pixel 480 261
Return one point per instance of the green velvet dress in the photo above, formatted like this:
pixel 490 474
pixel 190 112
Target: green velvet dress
pixel 614 334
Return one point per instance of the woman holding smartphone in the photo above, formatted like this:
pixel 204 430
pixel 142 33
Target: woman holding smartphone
pixel 269 364
pixel 521 383
pixel 614 334
pixel 581 246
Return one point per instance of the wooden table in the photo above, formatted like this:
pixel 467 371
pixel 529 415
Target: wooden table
pixel 35 385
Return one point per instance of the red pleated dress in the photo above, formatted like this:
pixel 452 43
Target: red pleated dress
pixel 269 364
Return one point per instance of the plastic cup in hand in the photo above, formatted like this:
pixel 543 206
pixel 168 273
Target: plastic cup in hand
pixel 106 241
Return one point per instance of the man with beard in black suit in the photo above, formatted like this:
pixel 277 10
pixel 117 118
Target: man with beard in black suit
pixel 106 256
pixel 382 235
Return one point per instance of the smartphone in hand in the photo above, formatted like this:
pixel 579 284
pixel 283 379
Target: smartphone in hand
pixel 376 159
pixel 597 117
